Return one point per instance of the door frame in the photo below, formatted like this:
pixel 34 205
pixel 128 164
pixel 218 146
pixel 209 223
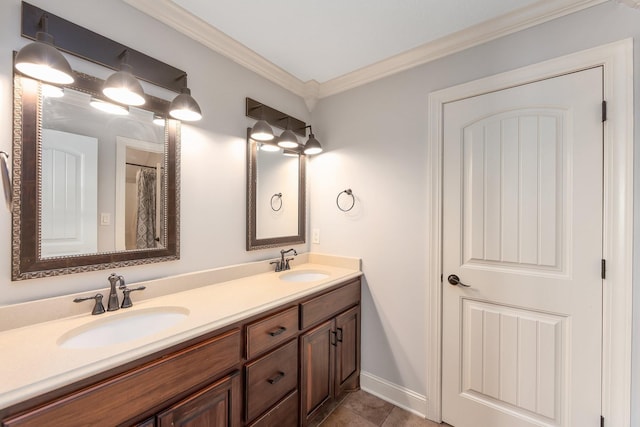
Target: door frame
pixel 617 60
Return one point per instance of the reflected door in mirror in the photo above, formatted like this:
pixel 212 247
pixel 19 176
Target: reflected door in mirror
pixel 69 194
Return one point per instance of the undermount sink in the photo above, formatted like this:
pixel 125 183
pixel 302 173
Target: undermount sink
pixel 122 327
pixel 304 276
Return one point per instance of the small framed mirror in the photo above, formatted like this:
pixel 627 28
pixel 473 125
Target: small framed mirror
pixel 276 197
pixel 92 190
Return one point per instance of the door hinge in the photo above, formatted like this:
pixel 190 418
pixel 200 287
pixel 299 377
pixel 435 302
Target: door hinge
pixel 601 421
pixel 441 277
pixel 603 269
pixel 604 111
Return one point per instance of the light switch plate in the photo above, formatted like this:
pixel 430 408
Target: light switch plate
pixel 105 219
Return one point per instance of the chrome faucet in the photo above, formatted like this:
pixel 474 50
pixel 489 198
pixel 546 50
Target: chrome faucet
pixel 114 303
pixel 283 264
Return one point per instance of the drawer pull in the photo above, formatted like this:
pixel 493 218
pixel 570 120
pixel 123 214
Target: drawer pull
pixel 276 378
pixel 277 332
pixel 339 334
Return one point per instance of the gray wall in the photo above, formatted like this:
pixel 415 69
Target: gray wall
pixel 375 138
pixel 213 150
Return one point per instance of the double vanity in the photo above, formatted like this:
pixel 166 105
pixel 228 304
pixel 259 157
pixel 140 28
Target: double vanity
pixel 235 346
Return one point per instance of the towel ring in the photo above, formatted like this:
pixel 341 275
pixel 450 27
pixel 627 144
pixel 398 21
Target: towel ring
pixel 348 192
pixel 277 196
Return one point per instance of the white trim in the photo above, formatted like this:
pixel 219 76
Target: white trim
pixel 179 19
pixel 171 14
pixel 635 4
pixel 400 396
pixel 617 60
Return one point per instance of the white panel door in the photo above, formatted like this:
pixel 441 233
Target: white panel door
pixel 522 226
pixel 69 203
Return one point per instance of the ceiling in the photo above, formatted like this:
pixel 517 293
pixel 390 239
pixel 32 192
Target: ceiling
pixel 316 48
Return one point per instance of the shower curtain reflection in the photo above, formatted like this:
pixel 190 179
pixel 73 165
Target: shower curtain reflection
pixel 146 236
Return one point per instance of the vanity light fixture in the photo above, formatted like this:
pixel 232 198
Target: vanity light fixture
pixel 313 145
pixel 184 107
pixel 122 86
pixel 108 107
pixel 261 131
pixel 287 138
pixel 267 118
pixel 41 60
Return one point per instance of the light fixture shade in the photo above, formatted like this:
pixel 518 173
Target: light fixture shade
pixel 42 61
pixel 124 88
pixel 261 131
pixel 288 139
pixel 312 146
pixel 184 107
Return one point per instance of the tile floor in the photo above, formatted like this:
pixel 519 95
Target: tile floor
pixel 361 409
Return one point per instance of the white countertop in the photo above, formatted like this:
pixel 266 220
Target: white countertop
pixel 32 362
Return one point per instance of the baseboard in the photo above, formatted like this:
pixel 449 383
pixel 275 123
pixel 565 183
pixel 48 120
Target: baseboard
pixel 393 393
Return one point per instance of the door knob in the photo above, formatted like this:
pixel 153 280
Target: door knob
pixel 455 280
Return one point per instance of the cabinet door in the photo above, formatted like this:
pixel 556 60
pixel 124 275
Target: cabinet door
pixel 217 405
pixel 348 350
pixel 317 353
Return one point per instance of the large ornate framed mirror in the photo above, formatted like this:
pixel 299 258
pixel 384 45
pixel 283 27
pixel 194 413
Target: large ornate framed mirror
pixel 91 190
pixel 276 197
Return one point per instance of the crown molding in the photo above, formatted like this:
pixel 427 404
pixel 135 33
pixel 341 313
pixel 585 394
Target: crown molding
pixel 635 4
pixel 179 19
pixel 523 18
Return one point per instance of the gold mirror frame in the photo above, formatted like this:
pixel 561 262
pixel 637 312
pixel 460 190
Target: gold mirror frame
pixel 26 260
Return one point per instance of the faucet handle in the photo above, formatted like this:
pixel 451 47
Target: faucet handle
pixel 98 308
pixel 126 301
pixel 286 265
pixel 278 265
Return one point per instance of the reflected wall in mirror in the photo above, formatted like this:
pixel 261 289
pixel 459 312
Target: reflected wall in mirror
pixel 275 197
pixel 94 190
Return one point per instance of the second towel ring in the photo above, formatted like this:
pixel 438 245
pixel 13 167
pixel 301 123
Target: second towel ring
pixel 348 192
pixel 277 196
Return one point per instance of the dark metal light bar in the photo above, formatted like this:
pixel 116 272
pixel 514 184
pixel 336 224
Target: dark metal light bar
pixel 86 44
pixel 259 111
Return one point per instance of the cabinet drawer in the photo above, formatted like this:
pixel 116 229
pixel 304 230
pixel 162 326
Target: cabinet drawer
pixel 124 396
pixel 270 378
pixel 285 414
pixel 268 333
pixel 329 304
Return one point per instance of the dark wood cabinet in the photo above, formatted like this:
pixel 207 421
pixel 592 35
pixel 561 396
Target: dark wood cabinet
pixel 317 355
pixel 329 352
pixel 275 369
pixel 347 371
pixel 126 397
pixel 214 406
pixel 270 378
